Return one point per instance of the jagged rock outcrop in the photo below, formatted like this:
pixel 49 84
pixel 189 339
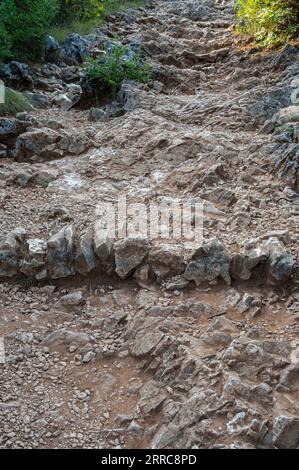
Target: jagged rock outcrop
pixel 66 254
pixel 61 253
pixel 209 262
pixel 129 254
pixel 47 144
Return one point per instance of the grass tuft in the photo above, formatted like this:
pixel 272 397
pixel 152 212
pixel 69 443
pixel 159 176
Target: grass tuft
pixel 15 102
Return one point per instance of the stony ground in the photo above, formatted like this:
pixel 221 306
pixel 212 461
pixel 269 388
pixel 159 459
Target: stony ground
pixel 101 362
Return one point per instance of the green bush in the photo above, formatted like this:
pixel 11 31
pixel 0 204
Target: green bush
pixel 111 68
pixel 79 10
pixel 15 102
pixel 23 26
pixel 82 16
pixel 25 23
pixel 270 22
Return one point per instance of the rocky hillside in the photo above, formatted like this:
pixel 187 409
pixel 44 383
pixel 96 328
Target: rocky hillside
pixel 141 342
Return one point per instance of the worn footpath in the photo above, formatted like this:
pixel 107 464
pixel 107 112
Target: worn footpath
pixel 142 342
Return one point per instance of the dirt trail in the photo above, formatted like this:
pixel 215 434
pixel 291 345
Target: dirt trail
pixel 130 363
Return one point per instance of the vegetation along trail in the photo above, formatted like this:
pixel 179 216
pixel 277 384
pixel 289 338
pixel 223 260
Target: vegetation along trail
pixel 138 342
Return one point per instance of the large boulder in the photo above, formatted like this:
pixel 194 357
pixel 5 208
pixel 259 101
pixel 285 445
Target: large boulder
pixel 70 98
pixel 103 242
pixel 48 144
pixel 39 143
pixel 74 49
pixel 167 260
pixel 11 127
pixel 85 260
pixel 129 254
pixel 209 262
pixel 61 253
pixel 243 263
pixel 286 432
pixel 35 262
pixel 17 75
pixel 128 96
pixel 280 262
pixel 65 337
pixel 12 250
pixel 52 49
pixel 271 255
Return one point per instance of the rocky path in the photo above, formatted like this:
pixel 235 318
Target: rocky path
pixel 197 349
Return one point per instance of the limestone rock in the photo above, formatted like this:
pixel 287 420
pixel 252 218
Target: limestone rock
pixel 35 263
pixel 167 261
pixel 74 49
pixel 286 432
pixel 70 98
pixel 209 262
pixel 65 337
pixel 11 127
pixel 12 250
pixel 60 254
pixel 73 299
pixel 85 259
pixel 145 342
pixel 39 143
pixel 129 254
pixel 17 75
pixel 103 242
pixel 280 262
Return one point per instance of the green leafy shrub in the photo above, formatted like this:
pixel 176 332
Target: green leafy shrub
pixel 270 22
pixel 15 102
pixel 79 10
pixel 5 36
pixel 25 23
pixel 111 68
pixel 23 26
pixel 82 16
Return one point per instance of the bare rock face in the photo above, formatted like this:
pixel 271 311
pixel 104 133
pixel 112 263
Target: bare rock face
pixel 74 49
pixel 286 432
pixel 17 75
pixel 287 115
pixel 12 250
pixel 103 242
pixel 60 254
pixel 129 254
pixel 144 343
pixel 74 299
pixel 209 262
pixel 35 262
pixel 280 264
pixel 85 260
pixel 48 144
pixel 167 261
pixel 11 127
pixel 65 337
pixel 40 142
pixel 243 263
pixel 70 98
pixel 276 261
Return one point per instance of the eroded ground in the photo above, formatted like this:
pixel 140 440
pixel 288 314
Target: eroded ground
pixel 100 362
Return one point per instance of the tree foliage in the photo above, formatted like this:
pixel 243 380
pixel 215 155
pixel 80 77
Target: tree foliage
pixel 23 25
pixel 270 22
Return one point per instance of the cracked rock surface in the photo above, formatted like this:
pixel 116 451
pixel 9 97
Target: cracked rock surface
pixel 138 342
